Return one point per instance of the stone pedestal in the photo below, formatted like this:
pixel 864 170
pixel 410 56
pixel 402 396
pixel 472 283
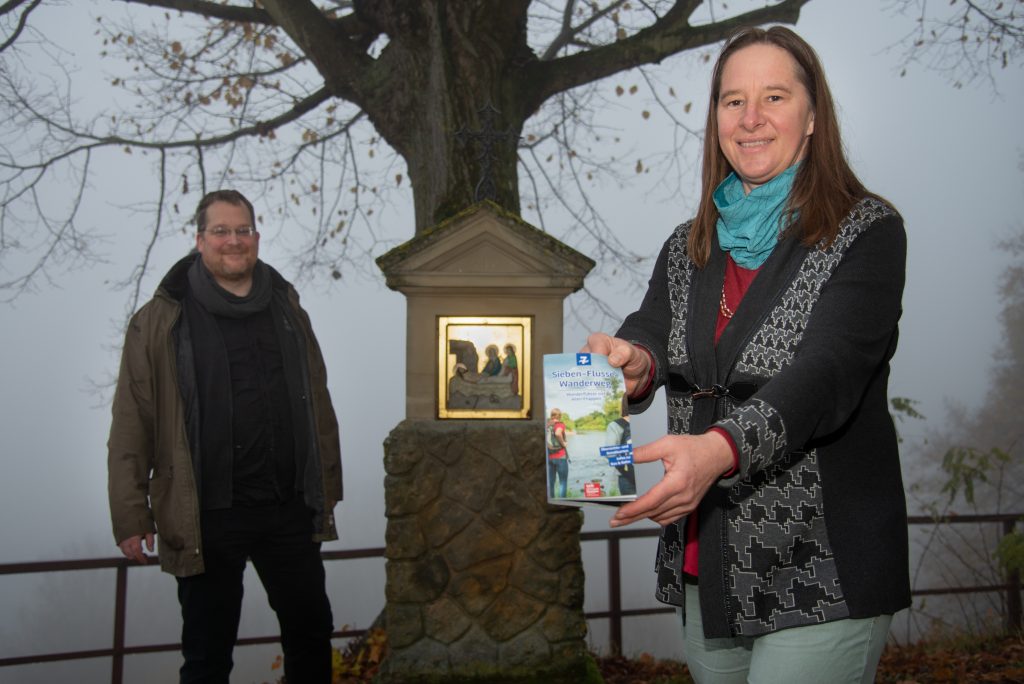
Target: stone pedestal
pixel 484 579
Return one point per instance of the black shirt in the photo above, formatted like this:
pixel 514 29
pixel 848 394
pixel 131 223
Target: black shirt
pixel 263 448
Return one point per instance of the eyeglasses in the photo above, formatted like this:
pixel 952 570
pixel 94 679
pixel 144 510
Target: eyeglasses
pixel 221 232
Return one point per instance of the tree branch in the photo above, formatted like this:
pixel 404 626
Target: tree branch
pixel 963 41
pixel 671 34
pixel 350 24
pixel 12 5
pixel 569 33
pixel 211 10
pixel 65 243
pixel 22 20
pixel 996 21
pixel 336 57
pixel 135 280
pixel 259 128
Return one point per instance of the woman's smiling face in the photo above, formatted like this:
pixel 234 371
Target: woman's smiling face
pixel 764 113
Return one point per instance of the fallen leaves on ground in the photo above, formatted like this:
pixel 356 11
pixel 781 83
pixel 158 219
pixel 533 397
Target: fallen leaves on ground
pixel 990 660
pixel 361 659
pixel 994 659
pixel 982 660
pixel 643 669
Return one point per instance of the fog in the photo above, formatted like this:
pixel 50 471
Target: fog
pixel 949 159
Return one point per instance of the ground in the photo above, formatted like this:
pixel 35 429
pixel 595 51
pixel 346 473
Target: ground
pixel 997 660
pixel 990 659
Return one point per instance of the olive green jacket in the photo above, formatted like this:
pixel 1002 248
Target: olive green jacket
pixel 151 471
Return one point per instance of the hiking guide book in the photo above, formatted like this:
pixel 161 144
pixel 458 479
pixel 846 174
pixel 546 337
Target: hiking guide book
pixel 587 439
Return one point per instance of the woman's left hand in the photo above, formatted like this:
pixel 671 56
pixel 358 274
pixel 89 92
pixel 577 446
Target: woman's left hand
pixel 692 464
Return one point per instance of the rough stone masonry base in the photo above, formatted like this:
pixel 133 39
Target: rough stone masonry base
pixel 484 578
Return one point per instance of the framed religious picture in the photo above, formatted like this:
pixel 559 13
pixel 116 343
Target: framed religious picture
pixel 483 368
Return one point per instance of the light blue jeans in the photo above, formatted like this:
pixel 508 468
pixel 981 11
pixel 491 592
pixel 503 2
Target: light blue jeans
pixel 840 652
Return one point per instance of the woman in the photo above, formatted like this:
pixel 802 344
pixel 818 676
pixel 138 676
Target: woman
pixel 510 366
pixel 770 320
pixel 493 365
pixel 558 454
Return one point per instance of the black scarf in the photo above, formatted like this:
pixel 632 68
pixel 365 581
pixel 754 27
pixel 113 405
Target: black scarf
pixel 205 300
pixel 219 301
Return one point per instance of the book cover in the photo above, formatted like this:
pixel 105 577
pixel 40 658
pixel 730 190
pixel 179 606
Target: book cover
pixel 587 439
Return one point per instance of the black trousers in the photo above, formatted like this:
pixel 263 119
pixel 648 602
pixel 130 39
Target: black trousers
pixel 278 539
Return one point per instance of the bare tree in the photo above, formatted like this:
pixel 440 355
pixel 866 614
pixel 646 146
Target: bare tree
pixel 965 40
pixel 331 110
pixel 982 449
pixel 976 459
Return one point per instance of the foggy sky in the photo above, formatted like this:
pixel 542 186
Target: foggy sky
pixel 949 159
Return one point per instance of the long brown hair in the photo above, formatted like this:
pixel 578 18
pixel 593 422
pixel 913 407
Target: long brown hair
pixel 825 187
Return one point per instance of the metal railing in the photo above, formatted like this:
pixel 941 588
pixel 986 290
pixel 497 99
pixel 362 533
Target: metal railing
pixel 118 649
pixel 1011 587
pixel 614 614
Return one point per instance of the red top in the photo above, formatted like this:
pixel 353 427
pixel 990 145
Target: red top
pixel 555 454
pixel 737 281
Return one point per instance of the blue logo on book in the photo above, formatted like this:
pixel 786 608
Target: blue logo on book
pixel 583 359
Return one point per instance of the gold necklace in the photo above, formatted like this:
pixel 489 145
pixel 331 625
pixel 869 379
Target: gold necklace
pixel 723 307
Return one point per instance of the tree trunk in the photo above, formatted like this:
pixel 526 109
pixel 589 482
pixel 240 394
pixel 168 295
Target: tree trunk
pixel 437 82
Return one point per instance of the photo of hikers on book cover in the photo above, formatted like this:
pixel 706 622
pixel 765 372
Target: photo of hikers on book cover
pixel 587 436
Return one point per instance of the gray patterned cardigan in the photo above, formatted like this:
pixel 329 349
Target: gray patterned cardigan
pixel 812 527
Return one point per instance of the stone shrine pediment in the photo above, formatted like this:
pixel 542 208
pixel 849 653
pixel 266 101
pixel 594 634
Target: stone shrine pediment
pixel 484 247
pixel 483 253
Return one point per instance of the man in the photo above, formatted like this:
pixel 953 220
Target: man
pixel 224 443
pixel 558 454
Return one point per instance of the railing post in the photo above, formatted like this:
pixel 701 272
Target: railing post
pixel 120 601
pixel 1013 603
pixel 615 596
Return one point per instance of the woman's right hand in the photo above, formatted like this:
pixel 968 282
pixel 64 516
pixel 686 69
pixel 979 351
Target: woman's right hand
pixel 634 361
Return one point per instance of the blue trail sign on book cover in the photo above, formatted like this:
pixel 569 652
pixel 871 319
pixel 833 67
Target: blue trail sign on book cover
pixel 587 438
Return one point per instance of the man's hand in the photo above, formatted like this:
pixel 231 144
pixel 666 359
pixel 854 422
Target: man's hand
pixel 634 361
pixel 132 547
pixel 692 464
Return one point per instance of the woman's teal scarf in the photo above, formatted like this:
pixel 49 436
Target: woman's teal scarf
pixel 749 225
